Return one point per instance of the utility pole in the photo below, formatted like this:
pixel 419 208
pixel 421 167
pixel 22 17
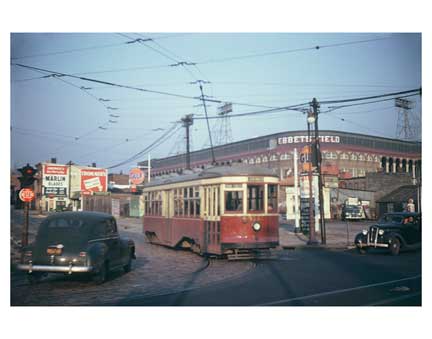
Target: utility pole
pixel 296 202
pixel 202 97
pixel 315 107
pixel 312 237
pixel 187 122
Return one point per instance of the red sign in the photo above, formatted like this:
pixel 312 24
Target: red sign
pixel 56 169
pixel 136 176
pixel 26 194
pixel 93 180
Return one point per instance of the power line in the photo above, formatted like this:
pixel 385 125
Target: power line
pixel 67 51
pixel 89 48
pixel 317 47
pixel 417 91
pixel 153 145
pixel 59 74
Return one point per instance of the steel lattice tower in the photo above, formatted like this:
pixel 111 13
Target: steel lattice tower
pixel 408 126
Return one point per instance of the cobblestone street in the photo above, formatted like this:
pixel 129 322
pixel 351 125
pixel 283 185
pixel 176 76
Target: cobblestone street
pixel 157 270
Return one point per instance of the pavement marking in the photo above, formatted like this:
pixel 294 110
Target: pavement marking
pixel 338 291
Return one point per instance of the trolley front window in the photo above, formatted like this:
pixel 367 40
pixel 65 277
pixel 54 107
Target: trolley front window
pixel 234 201
pixel 255 197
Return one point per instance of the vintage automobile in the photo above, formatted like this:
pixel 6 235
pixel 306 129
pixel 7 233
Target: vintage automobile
pixel 393 231
pixel 77 242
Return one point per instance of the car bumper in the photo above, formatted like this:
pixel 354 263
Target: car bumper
pixel 360 244
pixel 55 269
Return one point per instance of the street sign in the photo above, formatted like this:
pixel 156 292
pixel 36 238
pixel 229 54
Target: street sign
pixel 26 194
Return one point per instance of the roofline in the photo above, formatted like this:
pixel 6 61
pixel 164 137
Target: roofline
pixel 279 133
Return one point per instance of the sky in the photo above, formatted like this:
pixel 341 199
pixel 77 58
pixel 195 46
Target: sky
pixel 69 118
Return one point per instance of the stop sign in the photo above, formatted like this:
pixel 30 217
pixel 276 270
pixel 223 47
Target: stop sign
pixel 26 194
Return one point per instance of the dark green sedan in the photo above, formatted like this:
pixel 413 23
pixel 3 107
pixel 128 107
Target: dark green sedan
pixel 77 242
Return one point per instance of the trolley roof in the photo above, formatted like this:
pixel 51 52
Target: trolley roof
pixel 214 172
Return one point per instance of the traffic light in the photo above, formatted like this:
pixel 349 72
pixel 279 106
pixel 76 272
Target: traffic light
pixel 28 176
pixel 316 155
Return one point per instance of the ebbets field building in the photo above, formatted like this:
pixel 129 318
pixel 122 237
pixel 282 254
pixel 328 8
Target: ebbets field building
pixel 348 160
pixel 345 155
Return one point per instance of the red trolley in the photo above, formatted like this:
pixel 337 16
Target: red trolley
pixel 227 210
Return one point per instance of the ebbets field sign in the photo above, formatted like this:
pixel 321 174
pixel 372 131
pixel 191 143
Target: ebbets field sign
pixel 26 194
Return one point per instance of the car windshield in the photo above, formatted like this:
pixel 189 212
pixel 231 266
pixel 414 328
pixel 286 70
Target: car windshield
pixel 352 208
pixel 389 218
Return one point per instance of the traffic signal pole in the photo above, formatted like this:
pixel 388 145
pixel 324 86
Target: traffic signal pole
pixel 24 235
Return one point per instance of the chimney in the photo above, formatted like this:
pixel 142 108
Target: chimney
pixel 93 164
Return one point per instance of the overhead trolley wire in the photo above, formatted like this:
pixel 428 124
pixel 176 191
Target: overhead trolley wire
pixel 67 51
pixel 136 88
pixel 167 135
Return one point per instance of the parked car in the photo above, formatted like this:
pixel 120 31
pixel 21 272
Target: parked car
pixel 393 231
pixel 77 242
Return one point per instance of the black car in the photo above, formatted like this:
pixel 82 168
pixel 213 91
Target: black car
pixel 393 231
pixel 77 242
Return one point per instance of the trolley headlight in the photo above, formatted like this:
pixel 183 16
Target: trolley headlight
pixel 365 232
pixel 381 232
pixel 256 226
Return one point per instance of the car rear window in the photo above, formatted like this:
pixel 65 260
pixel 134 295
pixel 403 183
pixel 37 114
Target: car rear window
pixel 65 223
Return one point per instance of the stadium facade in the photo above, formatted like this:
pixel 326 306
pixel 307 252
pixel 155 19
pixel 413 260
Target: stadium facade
pixel 344 155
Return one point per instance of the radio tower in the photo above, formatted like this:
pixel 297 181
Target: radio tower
pixel 223 127
pixel 407 124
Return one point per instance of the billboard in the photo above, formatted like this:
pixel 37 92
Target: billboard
pixel 93 180
pixel 55 180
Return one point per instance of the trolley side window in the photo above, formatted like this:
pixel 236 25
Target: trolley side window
pixel 234 201
pixel 272 198
pixel 255 197
pixel 187 202
pixel 153 203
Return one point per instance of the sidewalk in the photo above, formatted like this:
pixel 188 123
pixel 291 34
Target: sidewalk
pixel 340 234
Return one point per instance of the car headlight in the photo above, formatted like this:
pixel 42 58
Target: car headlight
pixel 381 232
pixel 256 226
pixel 365 232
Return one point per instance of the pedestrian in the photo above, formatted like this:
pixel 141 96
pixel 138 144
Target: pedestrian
pixel 410 207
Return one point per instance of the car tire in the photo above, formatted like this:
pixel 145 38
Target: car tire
pixel 35 277
pixel 128 267
pixel 361 250
pixel 395 246
pixel 102 275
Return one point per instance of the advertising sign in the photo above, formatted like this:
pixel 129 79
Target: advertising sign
pixel 136 176
pixel 26 194
pixel 55 180
pixel 93 180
